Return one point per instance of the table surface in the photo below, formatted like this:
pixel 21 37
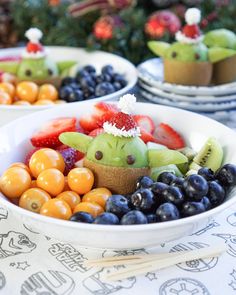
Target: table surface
pixel 32 263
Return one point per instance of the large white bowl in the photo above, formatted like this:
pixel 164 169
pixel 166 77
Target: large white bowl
pixel 97 58
pixel 14 144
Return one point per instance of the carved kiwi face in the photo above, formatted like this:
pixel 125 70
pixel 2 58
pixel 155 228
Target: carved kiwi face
pixel 187 52
pixel 37 69
pixel 110 150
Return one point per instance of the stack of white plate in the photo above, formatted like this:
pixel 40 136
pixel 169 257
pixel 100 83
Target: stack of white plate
pixel 214 101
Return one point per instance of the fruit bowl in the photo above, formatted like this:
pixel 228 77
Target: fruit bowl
pixel 97 58
pixel 15 144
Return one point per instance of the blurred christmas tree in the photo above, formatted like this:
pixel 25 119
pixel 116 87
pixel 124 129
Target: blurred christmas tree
pixel 118 26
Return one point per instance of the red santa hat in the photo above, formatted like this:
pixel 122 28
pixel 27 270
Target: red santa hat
pixel 190 32
pixel 34 47
pixel 122 124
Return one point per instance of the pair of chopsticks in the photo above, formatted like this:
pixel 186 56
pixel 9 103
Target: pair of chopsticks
pixel 140 264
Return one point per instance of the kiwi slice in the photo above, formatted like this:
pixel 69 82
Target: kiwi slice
pixel 188 152
pixel 210 155
pixel 158 47
pixel 217 54
pixel 155 172
pixel 163 157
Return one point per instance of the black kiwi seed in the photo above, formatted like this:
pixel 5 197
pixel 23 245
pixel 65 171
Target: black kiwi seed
pixel 205 158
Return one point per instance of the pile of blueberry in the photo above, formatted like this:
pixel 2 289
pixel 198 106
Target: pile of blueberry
pixel 88 84
pixel 169 198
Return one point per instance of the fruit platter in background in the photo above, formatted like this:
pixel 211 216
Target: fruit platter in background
pixel 33 77
pixel 196 73
pixel 111 167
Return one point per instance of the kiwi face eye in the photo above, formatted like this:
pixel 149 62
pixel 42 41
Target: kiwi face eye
pixel 50 72
pixel 130 159
pixel 28 72
pixel 98 155
pixel 197 56
pixel 174 54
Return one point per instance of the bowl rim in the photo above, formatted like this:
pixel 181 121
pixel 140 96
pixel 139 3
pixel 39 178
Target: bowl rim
pixel 129 86
pixel 119 228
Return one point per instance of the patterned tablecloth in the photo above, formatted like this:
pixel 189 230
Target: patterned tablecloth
pixel 34 264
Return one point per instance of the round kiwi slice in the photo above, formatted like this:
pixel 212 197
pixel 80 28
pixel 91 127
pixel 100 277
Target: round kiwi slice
pixel 210 155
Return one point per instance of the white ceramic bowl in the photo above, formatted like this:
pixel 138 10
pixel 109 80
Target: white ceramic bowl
pixel 97 58
pixel 14 144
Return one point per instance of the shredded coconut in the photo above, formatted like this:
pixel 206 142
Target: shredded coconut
pixel 180 37
pixel 193 16
pixel 127 103
pixel 112 129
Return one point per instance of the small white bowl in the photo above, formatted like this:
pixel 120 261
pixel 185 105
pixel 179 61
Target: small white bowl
pixel 97 58
pixel 14 144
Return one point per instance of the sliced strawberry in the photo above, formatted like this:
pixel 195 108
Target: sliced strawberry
pixel 48 135
pixel 146 136
pixel 145 122
pixel 88 123
pixel 96 132
pixel 29 155
pixel 166 135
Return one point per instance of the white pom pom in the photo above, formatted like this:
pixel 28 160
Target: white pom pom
pixel 34 35
pixel 127 103
pixel 193 16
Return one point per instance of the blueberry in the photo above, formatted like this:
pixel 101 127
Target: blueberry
pixel 167 212
pixel 206 202
pixel 118 205
pixel 192 208
pixel 119 78
pixel 227 175
pixel 65 92
pixel 67 81
pixel 99 79
pixel 158 188
pixel 134 217
pixel 143 200
pixel 90 69
pixel 166 177
pixel 206 173
pixel 86 82
pixel 178 181
pixel 195 187
pixel 117 86
pixel 106 78
pixel 104 88
pixel 107 218
pixel 82 74
pixel 108 69
pixel 82 217
pixel 216 193
pixel 174 195
pixel 144 182
pixel 76 95
pixel 151 218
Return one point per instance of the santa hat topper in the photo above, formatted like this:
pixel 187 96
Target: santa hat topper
pixel 34 48
pixel 122 124
pixel 190 33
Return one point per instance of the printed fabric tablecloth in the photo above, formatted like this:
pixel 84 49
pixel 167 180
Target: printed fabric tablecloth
pixel 31 263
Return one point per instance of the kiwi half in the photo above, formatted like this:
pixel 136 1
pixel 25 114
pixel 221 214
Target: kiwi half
pixel 210 155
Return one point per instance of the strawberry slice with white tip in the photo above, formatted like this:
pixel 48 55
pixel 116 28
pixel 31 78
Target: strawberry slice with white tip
pixel 145 122
pixel 48 135
pixel 146 136
pixel 166 135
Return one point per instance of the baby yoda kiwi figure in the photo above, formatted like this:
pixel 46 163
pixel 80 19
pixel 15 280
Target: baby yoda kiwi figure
pixel 35 65
pixel 222 52
pixel 118 157
pixel 186 61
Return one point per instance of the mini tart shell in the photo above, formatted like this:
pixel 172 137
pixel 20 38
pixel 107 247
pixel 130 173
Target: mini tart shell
pixel 187 73
pixel 224 71
pixel 119 180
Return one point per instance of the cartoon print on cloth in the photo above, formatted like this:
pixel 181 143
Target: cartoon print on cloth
pixel 97 286
pixel 232 284
pixel 14 243
pixel 30 229
pixel 67 255
pixel 231 219
pixel 2 281
pixel 151 276
pixel 183 286
pixel 51 283
pixel 108 253
pixel 20 265
pixel 230 240
pixel 197 265
pixel 202 231
pixel 3 213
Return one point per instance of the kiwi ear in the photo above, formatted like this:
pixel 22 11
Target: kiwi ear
pixel 78 141
pixel 9 66
pixel 216 54
pixel 163 157
pixel 64 65
pixel 158 47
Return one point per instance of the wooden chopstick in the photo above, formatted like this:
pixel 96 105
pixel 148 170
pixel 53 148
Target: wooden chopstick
pixel 154 265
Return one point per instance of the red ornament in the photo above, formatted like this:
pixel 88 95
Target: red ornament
pixel 162 22
pixel 104 27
